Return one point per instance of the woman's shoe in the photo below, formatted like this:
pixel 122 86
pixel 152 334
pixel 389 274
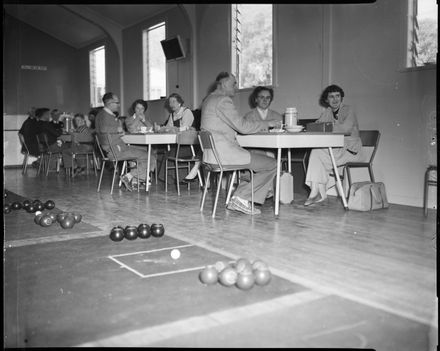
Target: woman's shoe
pixel 314 200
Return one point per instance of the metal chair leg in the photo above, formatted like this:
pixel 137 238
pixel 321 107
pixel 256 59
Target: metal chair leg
pixel 219 185
pixel 205 190
pixel 100 176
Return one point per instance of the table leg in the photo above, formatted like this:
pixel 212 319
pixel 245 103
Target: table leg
pixel 147 178
pixel 338 179
pixel 277 184
pixel 289 160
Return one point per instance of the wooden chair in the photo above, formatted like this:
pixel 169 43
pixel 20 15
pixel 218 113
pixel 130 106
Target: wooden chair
pixel 207 144
pixel 370 138
pixel 25 152
pixel 47 154
pixel 88 140
pixel 185 138
pixel 430 180
pixel 115 160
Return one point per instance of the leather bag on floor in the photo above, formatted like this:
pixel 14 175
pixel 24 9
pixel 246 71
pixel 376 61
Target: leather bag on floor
pixel 367 196
pixel 286 188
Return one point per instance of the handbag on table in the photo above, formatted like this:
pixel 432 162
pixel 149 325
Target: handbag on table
pixel 367 196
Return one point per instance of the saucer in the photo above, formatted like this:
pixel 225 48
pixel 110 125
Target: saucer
pixel 295 129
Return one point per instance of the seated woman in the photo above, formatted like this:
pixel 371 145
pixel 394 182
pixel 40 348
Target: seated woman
pixel 137 120
pixel 260 100
pixel 181 117
pixel 320 165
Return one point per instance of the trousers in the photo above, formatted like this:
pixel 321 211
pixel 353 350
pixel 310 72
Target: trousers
pixel 265 169
pixel 320 163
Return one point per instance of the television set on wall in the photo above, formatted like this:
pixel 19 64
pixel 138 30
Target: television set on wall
pixel 173 48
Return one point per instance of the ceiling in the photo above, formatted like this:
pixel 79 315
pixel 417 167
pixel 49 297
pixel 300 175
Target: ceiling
pixel 69 27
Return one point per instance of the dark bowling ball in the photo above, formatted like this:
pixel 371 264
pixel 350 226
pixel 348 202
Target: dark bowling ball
pixel 117 233
pixel 26 203
pixel 39 206
pixel 7 208
pixel 37 218
pixel 31 208
pixel 67 222
pixel 49 204
pixel 46 220
pixel 144 231
pixel 130 232
pixel 77 217
pixel 16 205
pixel 157 230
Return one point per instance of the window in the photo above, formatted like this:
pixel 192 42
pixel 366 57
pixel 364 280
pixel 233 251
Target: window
pixel 154 62
pixel 97 76
pixel 252 44
pixel 422 33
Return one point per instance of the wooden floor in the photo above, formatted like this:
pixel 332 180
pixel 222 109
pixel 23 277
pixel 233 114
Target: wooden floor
pixel 383 259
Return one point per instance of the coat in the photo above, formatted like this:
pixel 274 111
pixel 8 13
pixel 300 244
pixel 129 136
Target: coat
pixel 220 117
pixel 254 116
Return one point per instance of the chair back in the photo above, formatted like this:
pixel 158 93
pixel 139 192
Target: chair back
pixel 43 145
pixel 370 138
pixel 101 151
pixel 86 138
pixel 188 137
pixel 24 148
pixel 112 150
pixel 207 145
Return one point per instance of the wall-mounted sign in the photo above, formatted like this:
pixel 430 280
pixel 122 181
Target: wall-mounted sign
pixel 34 68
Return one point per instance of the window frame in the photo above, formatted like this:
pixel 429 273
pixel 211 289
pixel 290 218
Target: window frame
pixel 274 48
pixel 145 64
pixel 406 7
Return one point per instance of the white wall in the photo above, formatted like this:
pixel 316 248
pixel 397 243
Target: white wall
pixel 359 47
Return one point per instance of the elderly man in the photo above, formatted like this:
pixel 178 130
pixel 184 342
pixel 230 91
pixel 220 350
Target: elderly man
pixel 220 117
pixel 107 123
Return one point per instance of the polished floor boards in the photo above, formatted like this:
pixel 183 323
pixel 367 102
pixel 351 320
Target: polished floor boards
pixel 384 259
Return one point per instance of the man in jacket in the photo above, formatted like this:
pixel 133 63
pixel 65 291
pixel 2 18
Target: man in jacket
pixel 220 117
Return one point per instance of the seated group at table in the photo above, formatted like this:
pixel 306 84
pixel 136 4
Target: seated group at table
pixel 218 116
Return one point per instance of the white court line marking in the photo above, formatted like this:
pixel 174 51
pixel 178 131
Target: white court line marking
pixel 125 266
pixel 112 257
pixel 334 330
pixel 158 333
pixel 172 272
pixel 155 250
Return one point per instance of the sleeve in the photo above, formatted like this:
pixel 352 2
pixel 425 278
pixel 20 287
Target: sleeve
pixel 347 120
pixel 229 114
pixel 187 118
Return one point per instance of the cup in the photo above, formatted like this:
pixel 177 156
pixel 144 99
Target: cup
pixel 143 129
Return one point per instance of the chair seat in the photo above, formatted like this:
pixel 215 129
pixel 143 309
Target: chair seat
pixel 216 168
pixel 183 159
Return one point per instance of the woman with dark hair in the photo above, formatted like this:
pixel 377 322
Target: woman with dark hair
pixel 180 116
pixel 344 120
pixel 137 120
pixel 260 100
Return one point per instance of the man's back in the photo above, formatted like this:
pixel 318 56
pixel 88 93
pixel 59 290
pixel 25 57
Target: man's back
pixel 29 130
pixel 108 124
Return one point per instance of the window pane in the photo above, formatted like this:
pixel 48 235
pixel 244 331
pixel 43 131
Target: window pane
pixel 154 63
pixel 97 76
pixel 252 44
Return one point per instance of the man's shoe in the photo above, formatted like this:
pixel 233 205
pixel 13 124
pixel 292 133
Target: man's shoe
pixel 191 180
pixel 237 204
pixel 127 183
pixel 78 170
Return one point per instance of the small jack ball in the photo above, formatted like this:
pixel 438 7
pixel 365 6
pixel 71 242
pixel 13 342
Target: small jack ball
pixel 175 254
